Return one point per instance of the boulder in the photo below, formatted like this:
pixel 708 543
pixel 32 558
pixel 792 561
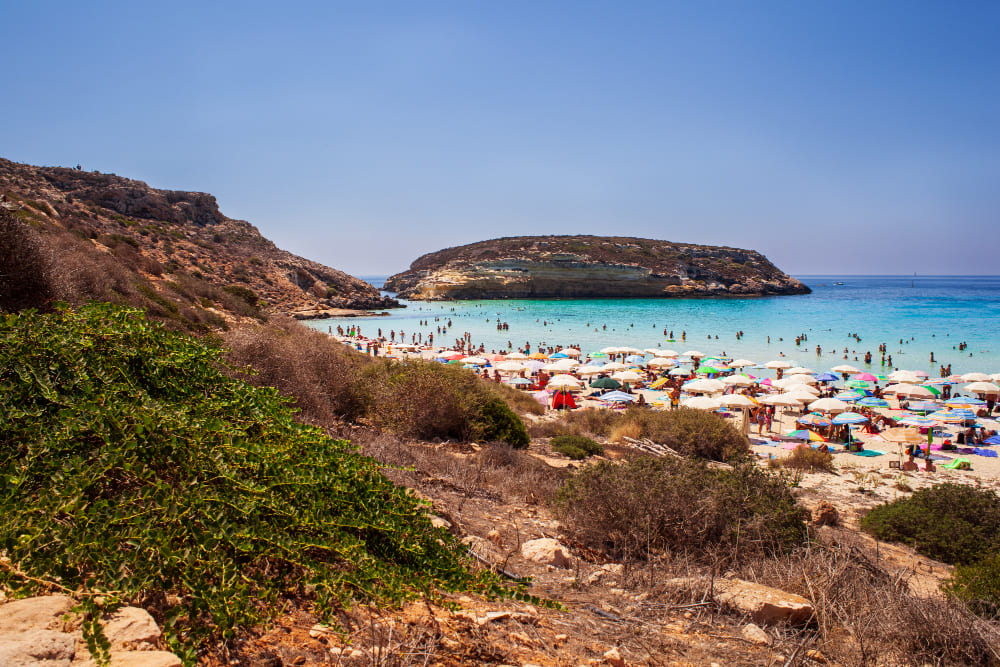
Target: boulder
pixel 37 648
pixel 547 551
pixel 34 613
pixel 614 658
pixel 138 659
pixel 765 605
pixel 132 628
pixel 753 633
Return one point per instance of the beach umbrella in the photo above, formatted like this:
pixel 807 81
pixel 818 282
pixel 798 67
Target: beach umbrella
pixel 606 383
pixel 904 389
pixel 976 377
pixel 534 365
pixel 627 376
pixel 859 384
pixel 558 355
pixel 982 387
pixel 826 377
pixel 799 370
pixel 801 378
pixel 934 390
pixel 667 353
pixel 867 377
pixel 964 401
pixel 813 419
pixel 566 364
pixel 849 418
pixel 703 386
pixel 655 351
pixel 612 366
pixel 451 355
pixel 510 366
pixel 787 400
pixel 904 376
pixel 737 401
pixel 829 405
pixel 803 389
pixel 948 416
pixel 572 352
pixel 708 370
pixel 660 362
pixel 617 397
pixel 924 406
pixel 917 420
pixel 995 377
pixel 677 371
pixel 701 403
pixel 563 381
pixel 741 380
pixel 521 381
pixel 845 368
pixel 476 361
pixel 873 402
pixel 903 434
pixel 598 355
pixel 635 359
pixel 806 434
pixel 850 396
pixel 538 355
pixel 596 362
pixel 590 370
pixel 693 354
pixel 517 355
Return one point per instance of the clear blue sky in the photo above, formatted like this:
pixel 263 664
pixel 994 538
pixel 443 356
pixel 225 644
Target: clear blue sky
pixel 835 137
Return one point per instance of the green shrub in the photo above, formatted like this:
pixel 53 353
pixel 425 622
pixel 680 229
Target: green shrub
pixel 576 447
pixel 807 458
pixel 949 522
pixel 131 464
pixel 978 585
pixel 423 399
pixel 651 505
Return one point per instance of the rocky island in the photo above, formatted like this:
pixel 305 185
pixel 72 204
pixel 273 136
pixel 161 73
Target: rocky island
pixel 576 267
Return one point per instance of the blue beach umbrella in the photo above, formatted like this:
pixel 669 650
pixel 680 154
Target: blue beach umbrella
pixel 849 418
pixel 559 355
pixel 916 420
pixel 873 402
pixel 924 406
pixel 964 400
pixel 617 397
pixel 826 377
pixel 850 396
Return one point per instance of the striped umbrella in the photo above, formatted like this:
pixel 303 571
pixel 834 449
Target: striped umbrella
pixel 850 396
pixel 806 434
pixel 916 420
pixel 849 418
pixel 814 419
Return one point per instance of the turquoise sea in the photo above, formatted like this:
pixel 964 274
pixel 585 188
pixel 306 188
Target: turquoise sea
pixel 913 315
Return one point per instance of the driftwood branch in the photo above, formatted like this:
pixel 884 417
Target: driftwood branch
pixel 656 449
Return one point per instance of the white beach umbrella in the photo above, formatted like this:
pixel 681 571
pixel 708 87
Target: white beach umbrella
pixel 564 381
pixel 562 365
pixel 982 388
pixel 627 376
pixel 571 352
pixel 904 389
pixel 789 400
pixel 701 403
pixel 904 376
pixel 741 363
pixel 787 383
pixel 800 378
pixel 655 351
pixel 631 350
pixel 829 405
pixel 693 354
pixel 777 363
pixel 510 366
pixel 704 386
pixel 805 392
pixel 475 361
pixel 736 401
pixel 661 362
pixel 845 368
pixel 614 366
pixel 667 353
pixel 975 377
pixel 677 371
pixel 517 355
pixel 995 377
pixel 742 380
pixel 590 370
pixel 798 370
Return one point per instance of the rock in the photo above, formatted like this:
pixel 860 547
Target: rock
pixel 614 658
pixel 753 632
pixel 438 522
pixel 825 514
pixel 481 547
pixel 36 648
pixel 320 630
pixel 137 659
pixel 765 605
pixel 547 551
pixel 816 656
pixel 33 613
pixel 494 537
pixel 132 628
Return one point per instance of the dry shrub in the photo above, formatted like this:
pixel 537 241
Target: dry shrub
pixel 320 373
pixel 646 506
pixel 592 423
pixel 625 430
pixel 26 268
pixel 808 459
pixel 519 401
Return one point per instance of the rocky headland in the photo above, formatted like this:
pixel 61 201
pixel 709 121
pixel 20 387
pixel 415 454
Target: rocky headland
pixel 590 267
pixel 175 243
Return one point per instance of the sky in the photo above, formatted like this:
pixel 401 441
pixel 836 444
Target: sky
pixel 846 137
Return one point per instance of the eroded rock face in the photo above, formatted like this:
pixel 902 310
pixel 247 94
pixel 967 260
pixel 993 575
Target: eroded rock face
pixel 590 267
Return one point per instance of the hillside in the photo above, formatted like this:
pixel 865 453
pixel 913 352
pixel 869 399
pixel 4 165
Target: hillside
pixel 590 267
pixel 168 246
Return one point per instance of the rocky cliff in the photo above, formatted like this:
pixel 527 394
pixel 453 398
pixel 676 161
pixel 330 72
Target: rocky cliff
pixel 590 267
pixel 178 244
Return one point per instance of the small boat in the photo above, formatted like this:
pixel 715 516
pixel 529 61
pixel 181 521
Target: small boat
pixel 838 283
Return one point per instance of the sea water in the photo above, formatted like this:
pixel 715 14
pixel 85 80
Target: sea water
pixel 913 316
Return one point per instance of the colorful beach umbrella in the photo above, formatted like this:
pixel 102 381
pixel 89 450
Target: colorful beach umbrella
pixel 806 434
pixel 924 406
pixel 867 377
pixel 849 418
pixel 916 420
pixel 617 397
pixel 850 396
pixel 814 419
pixel 872 402
pixel 826 377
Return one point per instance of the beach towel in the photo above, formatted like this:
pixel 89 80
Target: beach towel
pixel 868 452
pixel 979 451
pixel 959 464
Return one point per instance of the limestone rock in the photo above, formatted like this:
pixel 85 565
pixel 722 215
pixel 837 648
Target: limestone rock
pixel 765 605
pixel 33 613
pixel 36 648
pixel 132 628
pixel 825 514
pixel 547 551
pixel 753 632
pixel 614 658
pixel 137 659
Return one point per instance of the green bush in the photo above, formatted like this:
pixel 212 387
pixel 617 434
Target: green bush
pixel 651 505
pixel 953 523
pixel 978 585
pixel 576 447
pixel 131 464
pixel 424 399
